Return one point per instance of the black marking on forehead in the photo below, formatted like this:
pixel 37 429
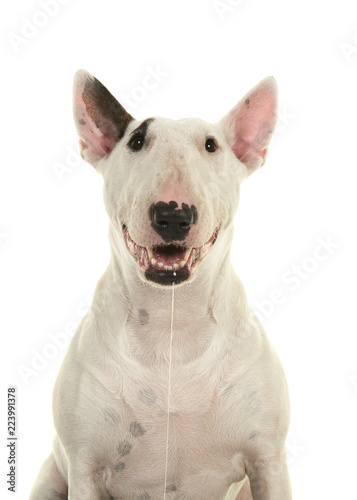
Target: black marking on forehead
pixel 142 128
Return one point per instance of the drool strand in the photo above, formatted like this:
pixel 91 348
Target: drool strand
pixel 169 388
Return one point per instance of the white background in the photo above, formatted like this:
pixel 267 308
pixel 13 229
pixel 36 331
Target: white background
pixel 53 228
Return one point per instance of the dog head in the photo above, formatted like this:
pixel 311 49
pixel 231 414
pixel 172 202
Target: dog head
pixel 171 188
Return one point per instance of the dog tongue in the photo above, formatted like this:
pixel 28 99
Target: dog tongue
pixel 170 255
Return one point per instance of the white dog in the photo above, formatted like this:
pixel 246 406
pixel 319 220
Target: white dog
pixel 170 387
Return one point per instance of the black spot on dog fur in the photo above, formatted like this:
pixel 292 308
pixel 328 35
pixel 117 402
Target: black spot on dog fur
pixel 124 448
pixel 143 317
pixel 136 429
pixel 171 487
pixel 246 102
pixel 147 396
pixel 81 121
pixel 119 466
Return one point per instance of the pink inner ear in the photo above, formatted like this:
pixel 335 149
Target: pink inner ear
pixel 252 122
pixel 94 144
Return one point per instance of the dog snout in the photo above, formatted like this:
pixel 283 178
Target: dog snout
pixel 172 222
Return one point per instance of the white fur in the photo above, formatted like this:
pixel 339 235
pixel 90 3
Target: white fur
pixel 229 398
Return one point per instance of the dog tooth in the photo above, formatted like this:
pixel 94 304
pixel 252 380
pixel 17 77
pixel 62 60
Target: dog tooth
pixel 149 250
pixel 182 263
pixel 187 254
pixel 176 266
pixel 153 261
pixel 168 268
pixel 160 264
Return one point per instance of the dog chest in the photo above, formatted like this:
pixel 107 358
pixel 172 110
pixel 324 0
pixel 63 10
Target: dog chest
pixel 130 449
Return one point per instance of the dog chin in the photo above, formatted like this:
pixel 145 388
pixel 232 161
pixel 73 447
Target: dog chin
pixel 167 265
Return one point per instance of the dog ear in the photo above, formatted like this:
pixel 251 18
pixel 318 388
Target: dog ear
pixel 249 125
pixel 100 120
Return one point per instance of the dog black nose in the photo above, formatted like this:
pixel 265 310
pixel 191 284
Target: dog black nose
pixel 171 222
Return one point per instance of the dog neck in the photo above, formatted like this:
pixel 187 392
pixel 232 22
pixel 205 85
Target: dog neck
pixel 142 313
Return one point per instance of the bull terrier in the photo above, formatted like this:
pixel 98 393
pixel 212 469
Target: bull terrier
pixel 170 388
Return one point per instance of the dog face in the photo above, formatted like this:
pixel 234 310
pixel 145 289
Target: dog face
pixel 171 188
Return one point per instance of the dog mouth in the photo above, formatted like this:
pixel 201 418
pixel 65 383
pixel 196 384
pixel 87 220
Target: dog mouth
pixel 168 264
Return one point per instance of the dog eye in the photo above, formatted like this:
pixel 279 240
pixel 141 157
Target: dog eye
pixel 137 142
pixel 210 146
